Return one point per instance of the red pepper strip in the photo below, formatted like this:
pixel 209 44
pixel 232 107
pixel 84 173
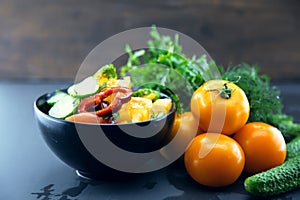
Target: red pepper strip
pixel 87 103
pixel 116 104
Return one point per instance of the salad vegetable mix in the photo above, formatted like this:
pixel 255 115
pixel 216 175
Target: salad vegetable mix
pixel 254 117
pixel 103 98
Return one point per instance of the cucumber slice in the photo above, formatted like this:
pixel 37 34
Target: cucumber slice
pixel 87 87
pixel 56 97
pixel 64 107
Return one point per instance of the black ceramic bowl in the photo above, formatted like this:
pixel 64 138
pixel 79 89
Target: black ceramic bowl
pixel 63 139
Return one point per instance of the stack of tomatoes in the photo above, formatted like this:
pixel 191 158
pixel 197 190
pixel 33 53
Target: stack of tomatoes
pixel 227 144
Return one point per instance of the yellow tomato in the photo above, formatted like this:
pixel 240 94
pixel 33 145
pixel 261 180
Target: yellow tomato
pixel 184 129
pixel 186 125
pixel 214 159
pixel 220 106
pixel 263 144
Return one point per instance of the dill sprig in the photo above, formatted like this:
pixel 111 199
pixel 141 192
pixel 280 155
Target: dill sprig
pixel 264 99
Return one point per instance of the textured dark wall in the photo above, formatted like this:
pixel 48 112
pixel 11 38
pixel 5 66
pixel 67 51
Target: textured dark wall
pixel 50 38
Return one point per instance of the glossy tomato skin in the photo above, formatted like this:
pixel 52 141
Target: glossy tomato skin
pixel 184 129
pixel 263 145
pixel 185 124
pixel 218 114
pixel 214 159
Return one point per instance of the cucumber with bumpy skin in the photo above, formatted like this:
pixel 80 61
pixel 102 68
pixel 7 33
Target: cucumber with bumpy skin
pixel 293 148
pixel 277 180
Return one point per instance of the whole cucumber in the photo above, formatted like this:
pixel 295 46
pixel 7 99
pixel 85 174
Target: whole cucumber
pixel 293 148
pixel 277 180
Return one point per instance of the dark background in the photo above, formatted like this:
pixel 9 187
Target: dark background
pixel 48 39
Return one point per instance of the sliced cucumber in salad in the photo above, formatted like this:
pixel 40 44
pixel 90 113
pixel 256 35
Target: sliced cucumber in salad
pixel 66 103
pixel 64 107
pixel 56 97
pixel 87 87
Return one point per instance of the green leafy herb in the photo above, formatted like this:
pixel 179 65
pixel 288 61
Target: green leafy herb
pixel 162 44
pixel 107 71
pixel 164 64
pixel 264 99
pixel 286 125
pixel 146 91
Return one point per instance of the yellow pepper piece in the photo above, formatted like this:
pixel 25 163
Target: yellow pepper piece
pixel 162 105
pixel 136 110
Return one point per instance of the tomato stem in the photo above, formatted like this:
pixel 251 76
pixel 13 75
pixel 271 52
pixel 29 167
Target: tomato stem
pixel 226 92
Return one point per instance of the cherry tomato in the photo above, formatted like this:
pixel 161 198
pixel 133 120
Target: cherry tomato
pixel 263 144
pixel 220 106
pixel 214 159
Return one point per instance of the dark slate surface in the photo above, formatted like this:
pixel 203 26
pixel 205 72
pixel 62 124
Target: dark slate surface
pixel 29 170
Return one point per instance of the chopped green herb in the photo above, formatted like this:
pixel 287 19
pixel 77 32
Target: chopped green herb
pixel 107 71
pixel 147 92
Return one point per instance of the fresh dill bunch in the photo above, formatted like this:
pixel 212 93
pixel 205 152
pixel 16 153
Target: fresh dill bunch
pixel 264 99
pixel 286 125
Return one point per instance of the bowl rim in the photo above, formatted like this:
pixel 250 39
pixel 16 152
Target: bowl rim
pixel 40 112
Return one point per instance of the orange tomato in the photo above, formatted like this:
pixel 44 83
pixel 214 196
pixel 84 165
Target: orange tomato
pixel 220 106
pixel 185 124
pixel 185 128
pixel 214 159
pixel 263 145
